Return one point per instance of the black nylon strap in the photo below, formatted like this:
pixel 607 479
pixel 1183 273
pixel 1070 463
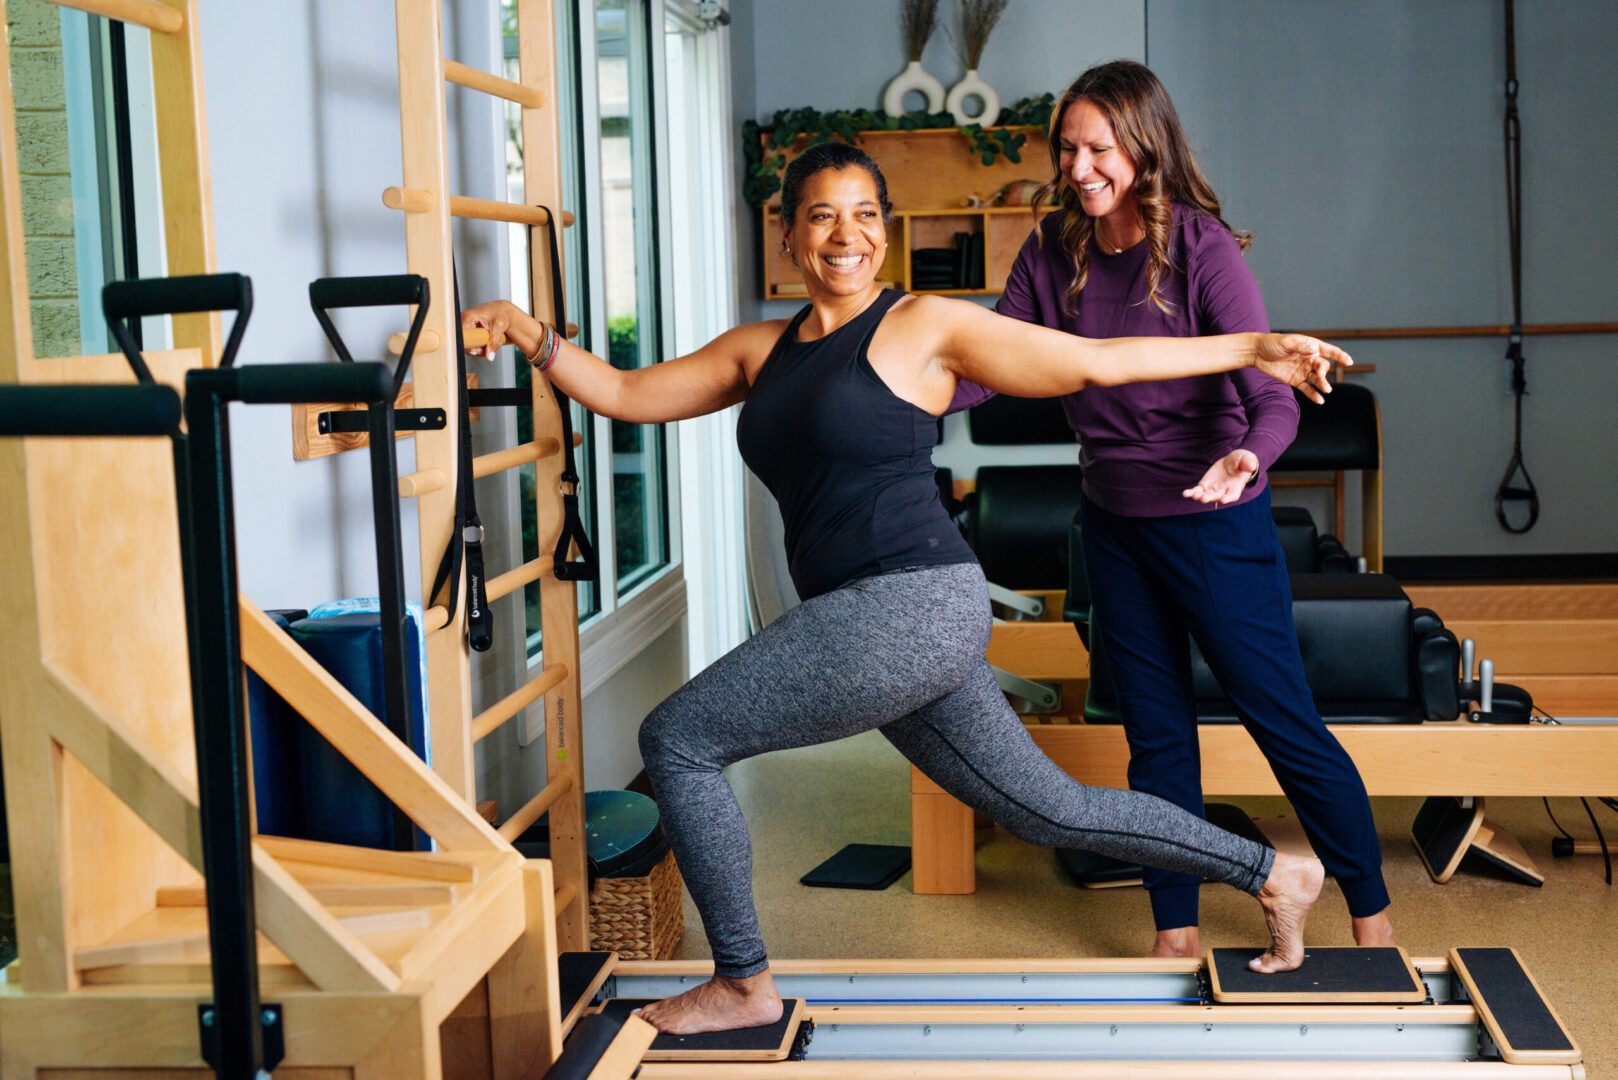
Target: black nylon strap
pixel 585 567
pixel 1508 492
pixel 466 540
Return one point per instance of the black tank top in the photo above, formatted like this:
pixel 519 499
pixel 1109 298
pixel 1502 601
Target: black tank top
pixel 850 462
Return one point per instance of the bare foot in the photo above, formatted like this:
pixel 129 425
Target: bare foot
pixel 1287 896
pixel 1182 941
pixel 1374 930
pixel 720 1004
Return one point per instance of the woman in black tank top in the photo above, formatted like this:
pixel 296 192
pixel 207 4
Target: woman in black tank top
pixel 839 420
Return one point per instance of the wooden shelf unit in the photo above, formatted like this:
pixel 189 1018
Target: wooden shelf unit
pixel 931 175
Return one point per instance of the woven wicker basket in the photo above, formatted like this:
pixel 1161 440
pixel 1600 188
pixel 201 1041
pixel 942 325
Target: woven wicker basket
pixel 640 918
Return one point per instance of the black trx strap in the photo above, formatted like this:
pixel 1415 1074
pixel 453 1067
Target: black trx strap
pixel 573 534
pixel 466 541
pixel 1526 491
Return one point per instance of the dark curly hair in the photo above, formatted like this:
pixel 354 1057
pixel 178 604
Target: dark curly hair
pixel 819 158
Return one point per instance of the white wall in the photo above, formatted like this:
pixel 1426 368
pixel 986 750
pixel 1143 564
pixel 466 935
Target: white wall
pixel 303 127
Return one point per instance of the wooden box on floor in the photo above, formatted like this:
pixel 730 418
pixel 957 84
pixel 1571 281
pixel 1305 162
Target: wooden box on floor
pixel 639 918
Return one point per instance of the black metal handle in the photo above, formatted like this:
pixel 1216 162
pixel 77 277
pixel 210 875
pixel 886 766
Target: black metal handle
pixel 177 295
pixel 376 291
pixel 122 301
pixel 147 409
pixel 283 384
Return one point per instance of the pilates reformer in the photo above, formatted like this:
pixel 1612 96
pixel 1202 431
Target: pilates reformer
pixel 1480 1009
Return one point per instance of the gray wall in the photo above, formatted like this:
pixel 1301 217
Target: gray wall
pixel 1361 142
pixel 303 119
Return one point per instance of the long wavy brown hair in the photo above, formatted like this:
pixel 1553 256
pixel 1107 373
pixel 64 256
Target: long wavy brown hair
pixel 1149 131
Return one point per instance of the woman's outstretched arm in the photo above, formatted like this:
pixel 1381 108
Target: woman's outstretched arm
pixel 1025 360
pixel 710 379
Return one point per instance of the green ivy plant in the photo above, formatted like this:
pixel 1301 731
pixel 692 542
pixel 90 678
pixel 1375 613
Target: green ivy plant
pixel 764 145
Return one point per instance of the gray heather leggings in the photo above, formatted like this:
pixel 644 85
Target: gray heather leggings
pixel 902 652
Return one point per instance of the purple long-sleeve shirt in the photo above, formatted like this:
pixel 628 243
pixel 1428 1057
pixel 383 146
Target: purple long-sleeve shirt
pixel 1142 444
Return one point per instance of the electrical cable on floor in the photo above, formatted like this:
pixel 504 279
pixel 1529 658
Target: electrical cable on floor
pixel 1552 815
pixel 1606 852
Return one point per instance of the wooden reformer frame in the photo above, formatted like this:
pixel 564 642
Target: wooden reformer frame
pixel 1562 634
pixel 384 964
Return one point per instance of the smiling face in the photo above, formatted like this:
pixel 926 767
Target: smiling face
pixel 838 237
pixel 1094 165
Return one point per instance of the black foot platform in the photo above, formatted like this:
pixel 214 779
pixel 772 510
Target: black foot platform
pixel 579 978
pixel 1343 975
pixel 1446 831
pixel 772 1042
pixel 1524 1027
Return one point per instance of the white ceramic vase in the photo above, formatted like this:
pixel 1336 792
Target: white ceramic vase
pixel 913 77
pixel 972 86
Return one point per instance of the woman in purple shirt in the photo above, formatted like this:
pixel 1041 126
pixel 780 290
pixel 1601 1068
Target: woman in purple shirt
pixel 1178 535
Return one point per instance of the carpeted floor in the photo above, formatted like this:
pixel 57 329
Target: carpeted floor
pixel 804 805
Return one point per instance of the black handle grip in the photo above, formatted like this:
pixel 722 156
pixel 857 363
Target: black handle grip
pixel 285 384
pixel 144 409
pixel 177 295
pixel 376 291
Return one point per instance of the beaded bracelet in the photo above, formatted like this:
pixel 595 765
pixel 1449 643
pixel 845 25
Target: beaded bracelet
pixel 549 346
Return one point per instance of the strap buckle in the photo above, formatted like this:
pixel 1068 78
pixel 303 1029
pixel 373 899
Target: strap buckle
pixel 472 534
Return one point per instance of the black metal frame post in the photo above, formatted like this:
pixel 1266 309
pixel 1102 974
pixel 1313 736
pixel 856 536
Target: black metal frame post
pixel 236 1031
pixel 238 1020
pixel 381 425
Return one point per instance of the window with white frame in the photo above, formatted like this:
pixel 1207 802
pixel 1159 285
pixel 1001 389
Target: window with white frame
pixel 576 277
pixel 606 82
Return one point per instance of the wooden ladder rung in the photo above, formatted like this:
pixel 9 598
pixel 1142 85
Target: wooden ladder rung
pixel 420 201
pixel 565 895
pixel 473 79
pixel 415 484
pixel 512 580
pixel 148 13
pixel 514 456
pixel 473 337
pixel 533 808
pixel 434 619
pixel 489 720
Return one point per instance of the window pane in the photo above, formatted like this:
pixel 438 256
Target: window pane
pixel 575 275
pixel 640 502
pixel 81 87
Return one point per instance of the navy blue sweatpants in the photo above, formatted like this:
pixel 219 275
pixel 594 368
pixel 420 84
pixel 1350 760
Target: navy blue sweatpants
pixel 1220 577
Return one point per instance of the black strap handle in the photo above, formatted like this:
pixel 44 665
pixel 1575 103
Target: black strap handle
pixel 147 409
pixel 466 541
pixel 586 567
pixel 1526 491
pixel 125 301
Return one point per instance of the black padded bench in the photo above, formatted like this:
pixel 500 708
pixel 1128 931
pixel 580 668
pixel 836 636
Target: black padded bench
pixel 1369 655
